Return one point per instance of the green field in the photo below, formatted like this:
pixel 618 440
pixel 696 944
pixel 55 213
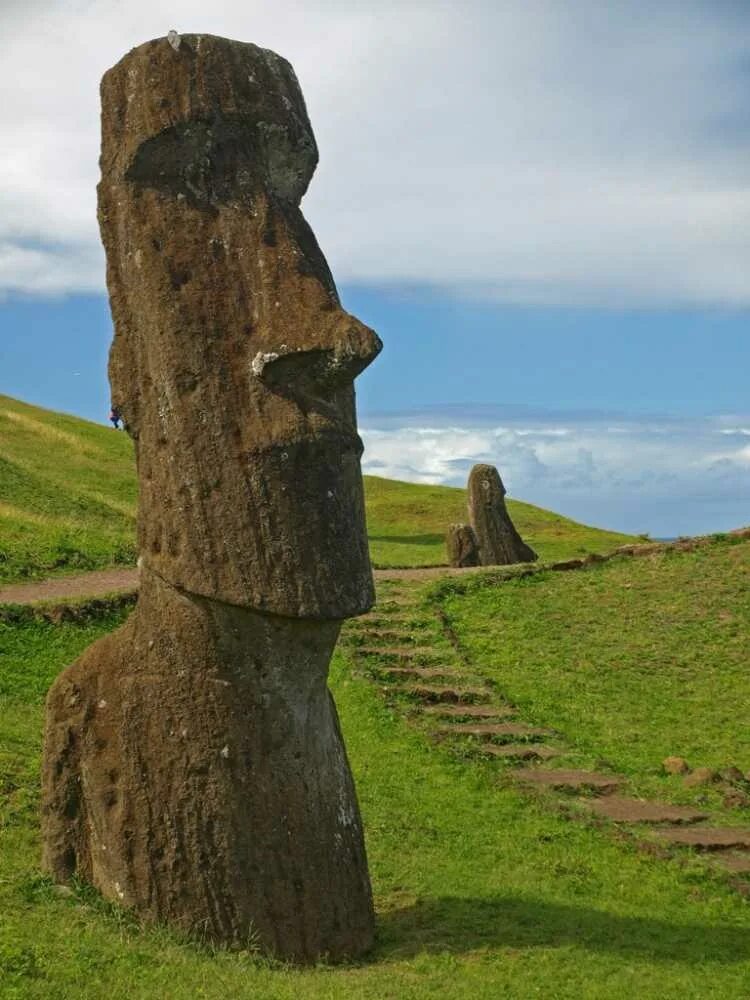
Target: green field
pixel 68 500
pixel 481 892
pixel 631 661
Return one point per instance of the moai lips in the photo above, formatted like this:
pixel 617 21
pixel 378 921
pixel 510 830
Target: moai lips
pixel 194 768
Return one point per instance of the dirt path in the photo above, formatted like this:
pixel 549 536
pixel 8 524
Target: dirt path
pixel 110 581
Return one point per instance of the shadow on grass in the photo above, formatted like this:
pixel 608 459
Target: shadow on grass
pixel 457 924
pixel 409 539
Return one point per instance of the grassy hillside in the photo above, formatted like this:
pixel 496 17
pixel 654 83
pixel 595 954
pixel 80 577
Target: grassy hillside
pixel 68 501
pixel 480 892
pixel 631 661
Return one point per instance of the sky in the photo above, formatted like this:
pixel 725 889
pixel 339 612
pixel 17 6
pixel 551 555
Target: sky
pixel 543 209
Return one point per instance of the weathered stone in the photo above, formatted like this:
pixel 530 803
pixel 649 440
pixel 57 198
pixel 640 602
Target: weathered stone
pixel 491 729
pixel 518 751
pixel 194 769
pixel 443 693
pixel 499 542
pixel 736 799
pixel 568 779
pixel 461 542
pixel 700 776
pixel 731 774
pixel 675 765
pixel 470 711
pixel 624 810
pixel 708 838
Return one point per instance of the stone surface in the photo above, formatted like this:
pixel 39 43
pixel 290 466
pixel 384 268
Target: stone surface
pixel 462 545
pixel 233 361
pixel 470 711
pixel 735 862
pixel 708 838
pixel 424 673
pixel 623 810
pixel 731 774
pixel 445 693
pixel 194 768
pixel 700 776
pixel 568 779
pixel 403 652
pixel 675 765
pixel 736 799
pixel 499 542
pixel 519 751
pixel 492 729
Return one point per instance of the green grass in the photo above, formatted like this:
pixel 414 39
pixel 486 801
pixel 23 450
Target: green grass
pixel 480 892
pixel 632 660
pixel 407 524
pixel 68 501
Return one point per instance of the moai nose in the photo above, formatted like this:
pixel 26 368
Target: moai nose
pixel 343 350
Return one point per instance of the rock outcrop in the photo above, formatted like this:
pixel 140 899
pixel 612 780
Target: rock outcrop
pixel 462 546
pixel 194 768
pixel 499 542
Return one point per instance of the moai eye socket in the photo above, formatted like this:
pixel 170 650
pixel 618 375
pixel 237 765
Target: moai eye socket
pixel 225 159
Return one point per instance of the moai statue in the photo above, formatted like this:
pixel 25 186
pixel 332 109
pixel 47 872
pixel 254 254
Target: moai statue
pixel 194 768
pixel 499 542
pixel 461 543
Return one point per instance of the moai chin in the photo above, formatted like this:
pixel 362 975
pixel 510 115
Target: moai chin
pixel 194 769
pixel 498 541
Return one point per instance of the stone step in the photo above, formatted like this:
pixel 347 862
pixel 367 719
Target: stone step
pixel 491 729
pixel 425 673
pixel 469 711
pixel 375 636
pixel 519 751
pixel 624 810
pixel 403 652
pixel 717 838
pixel 734 862
pixel 390 617
pixel 435 692
pixel 568 779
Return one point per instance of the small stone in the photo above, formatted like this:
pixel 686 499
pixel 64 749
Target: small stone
pixel 736 799
pixel 675 765
pixel 462 546
pixel 700 776
pixel 731 773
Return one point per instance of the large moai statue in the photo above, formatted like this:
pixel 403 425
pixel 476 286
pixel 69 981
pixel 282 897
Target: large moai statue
pixel 194 769
pixel 498 541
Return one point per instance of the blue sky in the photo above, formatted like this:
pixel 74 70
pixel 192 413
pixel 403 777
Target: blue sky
pixel 543 209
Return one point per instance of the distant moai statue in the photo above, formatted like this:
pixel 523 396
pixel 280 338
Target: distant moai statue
pixel 194 769
pixel 499 542
pixel 462 546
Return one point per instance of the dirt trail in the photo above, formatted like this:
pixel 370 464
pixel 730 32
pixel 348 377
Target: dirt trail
pixel 111 581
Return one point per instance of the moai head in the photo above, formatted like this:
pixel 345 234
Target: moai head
pixel 485 486
pixel 233 361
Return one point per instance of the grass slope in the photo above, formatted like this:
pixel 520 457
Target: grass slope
pixel 68 501
pixel 632 661
pixel 480 893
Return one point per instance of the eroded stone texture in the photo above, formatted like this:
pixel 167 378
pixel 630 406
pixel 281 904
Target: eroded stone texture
pixel 233 361
pixel 193 764
pixel 461 543
pixel 498 541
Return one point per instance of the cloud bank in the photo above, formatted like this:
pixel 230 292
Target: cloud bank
pixel 663 476
pixel 527 151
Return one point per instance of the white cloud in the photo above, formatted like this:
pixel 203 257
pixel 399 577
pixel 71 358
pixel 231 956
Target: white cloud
pixel 526 151
pixel 667 477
